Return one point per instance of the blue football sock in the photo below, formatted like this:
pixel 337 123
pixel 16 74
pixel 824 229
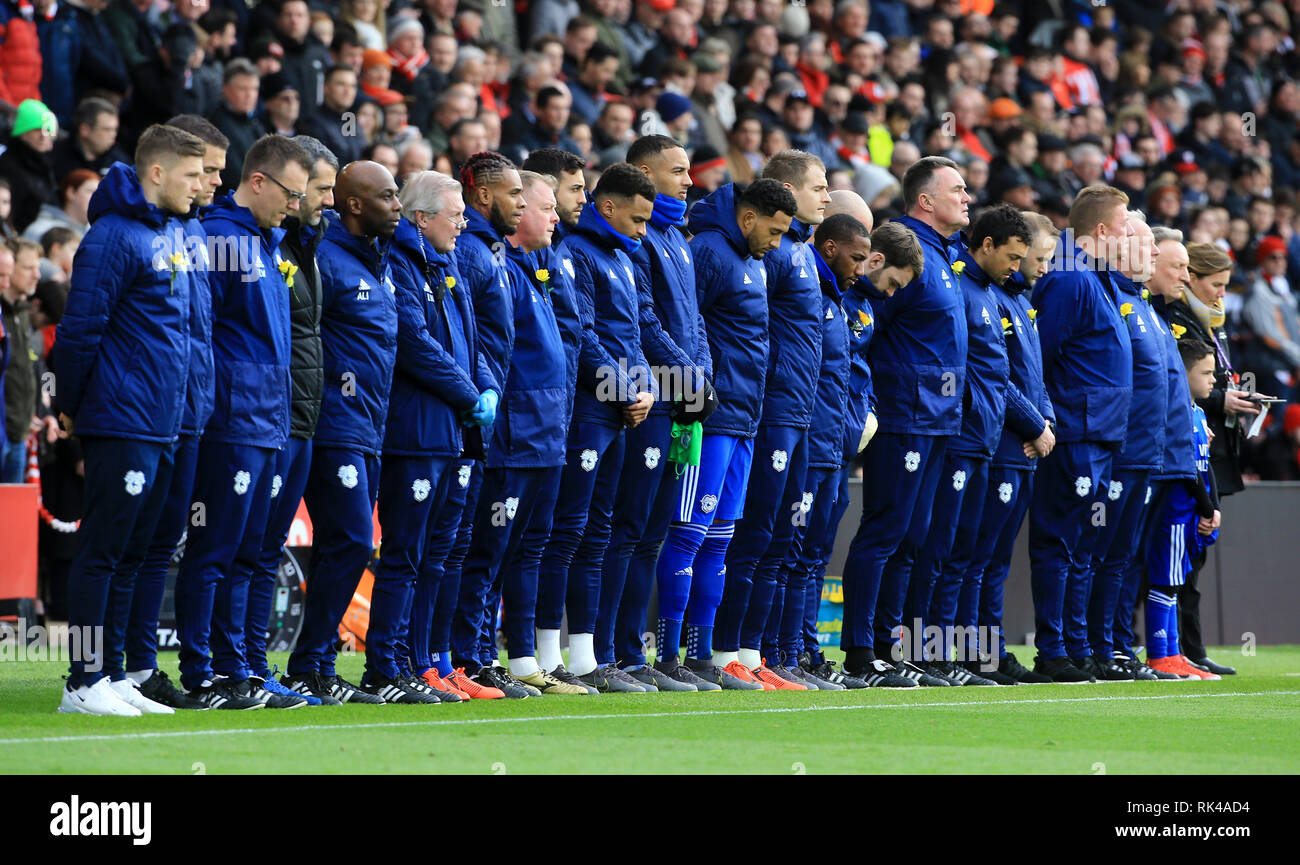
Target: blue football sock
pixel 674 571
pixel 668 639
pixel 699 642
pixel 442 662
pixel 1161 624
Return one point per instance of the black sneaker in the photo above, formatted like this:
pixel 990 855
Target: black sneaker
pixel 1087 665
pixel 939 670
pixel 960 674
pixel 569 679
pixel 610 679
pixel 310 685
pixel 1061 671
pixel 1210 667
pixel 160 689
pixel 346 692
pixel 1157 675
pixel 919 675
pixel 1013 669
pixel 1109 671
pixel 399 690
pixel 810 678
pixel 674 671
pixel 1141 672
pixel 709 672
pixel 224 694
pixel 882 674
pixel 495 677
pixel 277 696
pixel 826 672
pixel 980 669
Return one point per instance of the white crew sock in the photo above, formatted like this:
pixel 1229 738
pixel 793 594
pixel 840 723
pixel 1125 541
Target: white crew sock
pixel 524 666
pixel 139 676
pixel 722 659
pixel 582 654
pixel 751 658
pixel 548 649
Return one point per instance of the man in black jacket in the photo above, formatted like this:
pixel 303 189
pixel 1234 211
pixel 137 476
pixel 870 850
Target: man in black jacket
pixel 236 116
pixel 303 234
pixel 329 124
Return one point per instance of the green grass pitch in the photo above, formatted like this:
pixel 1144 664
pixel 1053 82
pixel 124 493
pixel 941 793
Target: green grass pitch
pixel 1243 724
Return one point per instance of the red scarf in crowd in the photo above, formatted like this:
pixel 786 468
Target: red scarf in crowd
pixel 409 67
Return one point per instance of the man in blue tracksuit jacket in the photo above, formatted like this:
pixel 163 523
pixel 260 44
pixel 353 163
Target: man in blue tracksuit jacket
pixel 613 391
pixel 123 355
pixel 1088 367
pixel 918 370
pixel 302 236
pixel 525 457
pixel 776 483
pixel 734 229
pixel 840 251
pixel 249 424
pixel 1000 239
pixel 1011 472
pixel 146 604
pixel 1117 538
pixel 434 392
pixel 422 254
pixel 494 204
pixel 1178 457
pixel 676 346
pixel 359 337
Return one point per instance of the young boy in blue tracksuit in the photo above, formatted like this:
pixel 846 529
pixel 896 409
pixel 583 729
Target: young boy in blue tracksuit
pixel 1011 471
pixel 613 392
pixel 776 483
pixel 1185 527
pixel 1118 536
pixel 249 425
pixel 840 250
pixel 123 357
pixel 734 228
pixel 676 346
pixel 1088 367
pixel 359 338
pixel 918 367
pixel 1000 239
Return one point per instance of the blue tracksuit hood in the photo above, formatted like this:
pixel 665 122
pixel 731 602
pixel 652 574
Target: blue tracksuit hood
pixel 120 192
pixel 717 212
pixel 595 226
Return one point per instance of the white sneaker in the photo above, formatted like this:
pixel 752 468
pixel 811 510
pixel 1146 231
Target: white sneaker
pixel 129 692
pixel 98 699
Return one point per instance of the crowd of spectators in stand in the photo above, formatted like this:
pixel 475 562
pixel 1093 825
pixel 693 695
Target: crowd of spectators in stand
pixel 1192 107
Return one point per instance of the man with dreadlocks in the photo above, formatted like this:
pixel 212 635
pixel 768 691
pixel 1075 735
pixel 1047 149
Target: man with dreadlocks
pixel 494 204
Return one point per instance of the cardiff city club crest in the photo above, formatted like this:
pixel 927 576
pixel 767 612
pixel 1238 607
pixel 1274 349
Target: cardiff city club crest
pixel 588 458
pixel 911 461
pixel 348 476
pixel 420 489
pixel 1004 492
pixel 512 506
pixel 959 480
pixel 652 458
pixel 462 475
pixel 779 460
pixel 276 483
pixel 1082 485
pixel 134 482
pixel 242 480
pixel 708 503
pixel 1116 490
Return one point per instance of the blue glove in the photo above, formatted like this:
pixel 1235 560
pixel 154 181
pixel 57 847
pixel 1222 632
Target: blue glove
pixel 485 412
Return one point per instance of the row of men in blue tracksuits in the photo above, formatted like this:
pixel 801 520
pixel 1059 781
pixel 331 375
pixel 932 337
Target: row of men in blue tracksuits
pixel 1071 398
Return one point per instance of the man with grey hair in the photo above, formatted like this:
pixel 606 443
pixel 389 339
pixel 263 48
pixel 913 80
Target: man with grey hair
pixel 413 155
pixel 303 234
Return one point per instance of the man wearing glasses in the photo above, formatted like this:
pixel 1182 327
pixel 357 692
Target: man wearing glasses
pixel 236 483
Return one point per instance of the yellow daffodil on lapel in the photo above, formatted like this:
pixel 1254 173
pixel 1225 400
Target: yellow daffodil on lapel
pixel 1126 310
pixel 958 267
pixel 1006 327
pixel 287 270
pixel 1033 314
pixel 451 281
pixel 1146 294
pixel 1178 330
pixel 177 262
pixel 543 275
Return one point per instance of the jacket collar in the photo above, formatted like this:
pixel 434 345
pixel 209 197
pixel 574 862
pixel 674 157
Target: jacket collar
pixel 368 250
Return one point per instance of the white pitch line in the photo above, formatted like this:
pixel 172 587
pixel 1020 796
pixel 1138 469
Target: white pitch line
pixel 302 728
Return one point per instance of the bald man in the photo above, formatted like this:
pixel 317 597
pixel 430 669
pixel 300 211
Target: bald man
pixel 848 201
pixel 359 341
